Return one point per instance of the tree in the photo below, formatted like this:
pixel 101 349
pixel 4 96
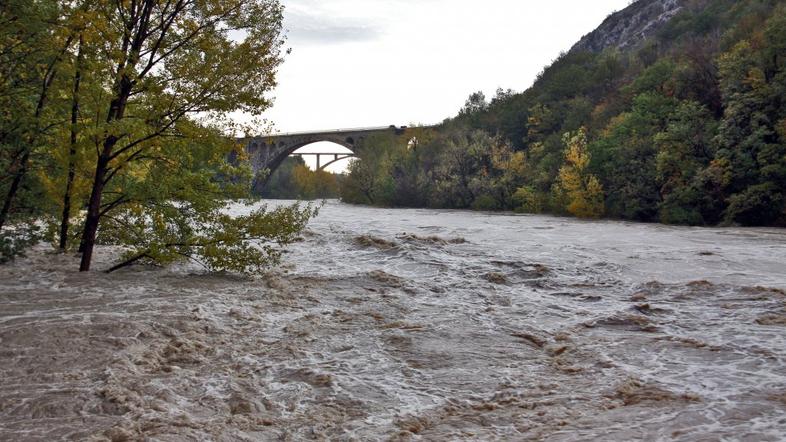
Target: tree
pixel 461 162
pixel 281 184
pixel 369 179
pixel 752 77
pixel 173 59
pixel 136 94
pixel 474 104
pixel 313 184
pixel 34 39
pixel 624 158
pixel 65 218
pixel 685 148
pixel 581 191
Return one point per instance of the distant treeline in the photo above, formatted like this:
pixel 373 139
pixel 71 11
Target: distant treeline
pixel 689 127
pixel 294 180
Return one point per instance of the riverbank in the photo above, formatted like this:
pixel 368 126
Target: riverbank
pixel 406 325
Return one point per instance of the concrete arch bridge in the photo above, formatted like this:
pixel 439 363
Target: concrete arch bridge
pixel 266 153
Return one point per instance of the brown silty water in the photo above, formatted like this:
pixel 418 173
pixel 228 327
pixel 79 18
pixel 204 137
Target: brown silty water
pixel 411 325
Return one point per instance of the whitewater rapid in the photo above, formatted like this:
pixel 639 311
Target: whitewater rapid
pixel 405 324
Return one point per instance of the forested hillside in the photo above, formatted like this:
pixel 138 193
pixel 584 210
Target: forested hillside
pixel 671 111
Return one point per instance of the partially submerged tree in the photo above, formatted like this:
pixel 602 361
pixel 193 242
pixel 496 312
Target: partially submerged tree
pixel 174 59
pixel 124 113
pixel 174 208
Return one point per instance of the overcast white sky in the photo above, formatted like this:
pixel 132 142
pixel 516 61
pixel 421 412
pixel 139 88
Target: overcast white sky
pixel 358 63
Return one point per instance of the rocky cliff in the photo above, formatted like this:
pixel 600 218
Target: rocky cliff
pixel 627 28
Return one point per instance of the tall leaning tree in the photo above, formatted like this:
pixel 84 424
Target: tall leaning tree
pixel 172 62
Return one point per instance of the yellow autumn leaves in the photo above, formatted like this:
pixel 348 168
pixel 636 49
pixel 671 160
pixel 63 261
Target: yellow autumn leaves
pixel 579 191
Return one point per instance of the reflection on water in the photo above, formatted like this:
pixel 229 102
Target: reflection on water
pixel 417 324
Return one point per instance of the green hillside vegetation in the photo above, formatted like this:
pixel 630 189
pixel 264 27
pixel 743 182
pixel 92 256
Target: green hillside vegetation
pixel 687 127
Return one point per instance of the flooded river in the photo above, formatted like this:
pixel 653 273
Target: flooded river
pixel 387 324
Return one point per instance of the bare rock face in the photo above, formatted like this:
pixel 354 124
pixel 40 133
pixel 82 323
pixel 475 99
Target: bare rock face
pixel 627 28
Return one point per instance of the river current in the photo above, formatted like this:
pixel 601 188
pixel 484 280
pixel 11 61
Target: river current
pixel 405 324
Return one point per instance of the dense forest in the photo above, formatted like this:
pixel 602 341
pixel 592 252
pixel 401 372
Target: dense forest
pixel 686 126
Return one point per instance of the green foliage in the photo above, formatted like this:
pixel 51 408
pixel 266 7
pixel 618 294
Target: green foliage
pixel 14 241
pixel 463 169
pixel 314 184
pixel 216 240
pixel 624 157
pixel 281 184
pixel 527 200
pixel 685 148
pixel 655 78
pixel 753 83
pixel 364 182
pixel 761 204
pixel 687 128
pixel 33 39
pixel 485 202
pixel 370 178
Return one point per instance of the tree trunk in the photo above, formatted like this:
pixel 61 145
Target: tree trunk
pixel 94 207
pixel 72 150
pixel 20 173
pixel 122 91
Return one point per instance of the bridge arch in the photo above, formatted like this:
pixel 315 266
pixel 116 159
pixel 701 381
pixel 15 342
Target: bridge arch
pixel 320 155
pixel 268 152
pixel 343 143
pixel 335 160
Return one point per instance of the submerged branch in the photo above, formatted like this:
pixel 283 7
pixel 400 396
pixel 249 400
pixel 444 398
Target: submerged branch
pixel 129 261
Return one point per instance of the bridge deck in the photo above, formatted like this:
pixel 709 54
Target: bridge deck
pixel 335 131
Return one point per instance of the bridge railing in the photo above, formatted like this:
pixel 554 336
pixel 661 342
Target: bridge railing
pixel 344 130
pixel 301 154
pixel 333 131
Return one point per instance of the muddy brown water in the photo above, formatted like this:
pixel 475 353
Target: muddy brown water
pixel 411 325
